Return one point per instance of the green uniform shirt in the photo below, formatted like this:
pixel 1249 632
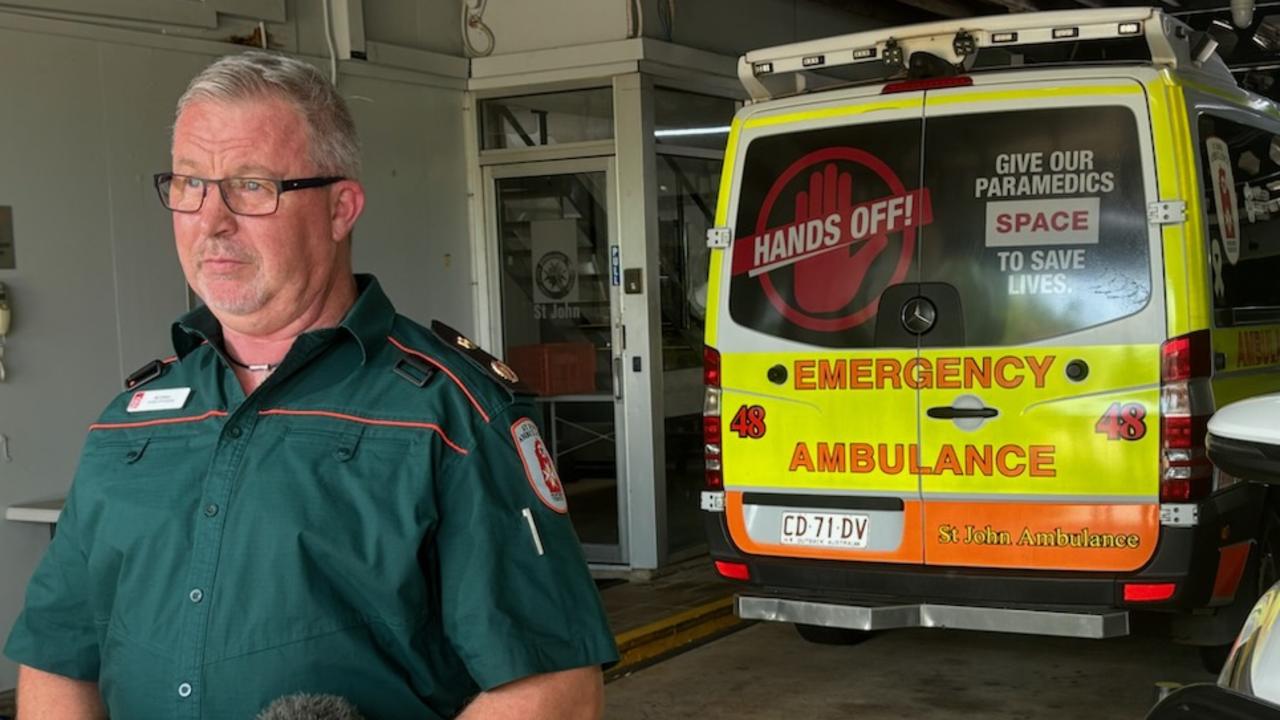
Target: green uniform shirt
pixel 379 521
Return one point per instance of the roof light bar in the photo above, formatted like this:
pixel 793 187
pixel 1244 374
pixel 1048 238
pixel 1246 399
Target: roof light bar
pixel 765 72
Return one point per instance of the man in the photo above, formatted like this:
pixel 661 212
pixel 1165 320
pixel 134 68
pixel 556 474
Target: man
pixel 314 494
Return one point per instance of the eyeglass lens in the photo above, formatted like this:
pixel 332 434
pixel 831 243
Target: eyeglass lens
pixel 244 196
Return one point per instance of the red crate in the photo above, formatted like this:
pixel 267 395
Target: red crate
pixel 556 368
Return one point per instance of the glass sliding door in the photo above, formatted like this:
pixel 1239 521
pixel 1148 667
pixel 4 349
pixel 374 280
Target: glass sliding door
pixel 560 329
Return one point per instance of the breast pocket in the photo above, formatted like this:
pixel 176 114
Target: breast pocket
pixel 327 522
pixel 136 499
pixel 352 467
pixel 140 473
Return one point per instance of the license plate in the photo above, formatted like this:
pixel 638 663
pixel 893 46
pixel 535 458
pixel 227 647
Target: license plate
pixel 843 530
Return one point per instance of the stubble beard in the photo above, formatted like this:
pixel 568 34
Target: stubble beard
pixel 240 292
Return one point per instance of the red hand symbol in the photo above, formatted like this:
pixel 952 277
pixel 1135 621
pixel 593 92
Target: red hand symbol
pixel 830 281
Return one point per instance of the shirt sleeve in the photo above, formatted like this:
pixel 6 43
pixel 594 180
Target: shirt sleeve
pixel 55 631
pixel 516 596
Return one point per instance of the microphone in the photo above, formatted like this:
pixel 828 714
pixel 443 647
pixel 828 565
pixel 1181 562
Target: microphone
pixel 305 706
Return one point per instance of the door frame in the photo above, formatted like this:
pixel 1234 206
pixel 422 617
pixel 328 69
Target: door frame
pixel 596 553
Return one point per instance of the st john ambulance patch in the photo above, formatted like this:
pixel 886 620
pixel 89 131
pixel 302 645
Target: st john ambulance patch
pixel 538 465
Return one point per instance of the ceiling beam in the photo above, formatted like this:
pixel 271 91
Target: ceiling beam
pixel 1015 5
pixel 945 8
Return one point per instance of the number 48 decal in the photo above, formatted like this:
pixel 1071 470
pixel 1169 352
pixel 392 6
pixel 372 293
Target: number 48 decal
pixel 749 422
pixel 1123 422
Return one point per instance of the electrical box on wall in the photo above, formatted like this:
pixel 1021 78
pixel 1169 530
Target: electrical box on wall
pixel 8 257
pixel 347 17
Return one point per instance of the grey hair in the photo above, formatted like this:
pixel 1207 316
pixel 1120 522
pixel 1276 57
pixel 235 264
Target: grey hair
pixel 334 145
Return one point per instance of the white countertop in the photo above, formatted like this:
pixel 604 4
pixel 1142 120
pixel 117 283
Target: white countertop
pixel 45 511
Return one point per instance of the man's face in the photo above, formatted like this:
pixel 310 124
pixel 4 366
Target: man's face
pixel 256 273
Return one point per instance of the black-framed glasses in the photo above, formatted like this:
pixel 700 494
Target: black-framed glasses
pixel 242 195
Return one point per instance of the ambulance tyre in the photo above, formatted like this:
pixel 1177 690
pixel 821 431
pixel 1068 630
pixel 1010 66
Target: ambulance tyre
pixel 822 635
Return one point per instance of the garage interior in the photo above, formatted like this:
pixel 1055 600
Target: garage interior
pixel 497 138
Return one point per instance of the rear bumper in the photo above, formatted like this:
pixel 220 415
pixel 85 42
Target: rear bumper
pixel 1096 624
pixel 1186 556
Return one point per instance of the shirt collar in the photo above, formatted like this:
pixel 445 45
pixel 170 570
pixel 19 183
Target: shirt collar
pixel 368 321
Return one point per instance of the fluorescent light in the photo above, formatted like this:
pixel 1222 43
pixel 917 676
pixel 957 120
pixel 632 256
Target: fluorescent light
pixel 685 132
pixel 1063 33
pixel 1224 25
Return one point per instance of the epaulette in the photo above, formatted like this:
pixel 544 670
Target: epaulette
pixel 490 365
pixel 145 374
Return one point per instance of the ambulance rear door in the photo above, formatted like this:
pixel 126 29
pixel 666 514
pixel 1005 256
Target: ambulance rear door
pixel 1040 316
pixel 816 419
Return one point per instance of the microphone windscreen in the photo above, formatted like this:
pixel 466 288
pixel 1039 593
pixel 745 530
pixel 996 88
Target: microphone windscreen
pixel 304 706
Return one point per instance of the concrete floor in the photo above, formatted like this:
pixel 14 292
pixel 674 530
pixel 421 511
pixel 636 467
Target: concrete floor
pixel 766 671
pixel 689 585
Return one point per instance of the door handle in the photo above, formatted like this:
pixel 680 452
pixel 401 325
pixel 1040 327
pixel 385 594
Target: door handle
pixel 947 412
pixel 617 378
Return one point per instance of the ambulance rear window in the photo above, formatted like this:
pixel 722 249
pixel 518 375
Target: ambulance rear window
pixel 1034 219
pixel 1040 220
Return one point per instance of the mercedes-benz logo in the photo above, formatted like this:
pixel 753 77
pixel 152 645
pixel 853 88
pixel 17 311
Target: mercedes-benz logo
pixel 919 315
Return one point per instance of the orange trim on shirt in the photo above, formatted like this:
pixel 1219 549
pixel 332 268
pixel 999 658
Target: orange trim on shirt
pixel 371 421
pixel 165 421
pixel 446 371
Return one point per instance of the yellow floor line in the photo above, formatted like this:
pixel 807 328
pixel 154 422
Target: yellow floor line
pixel 648 642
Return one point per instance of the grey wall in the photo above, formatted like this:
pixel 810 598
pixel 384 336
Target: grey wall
pixel 84 120
pixel 729 27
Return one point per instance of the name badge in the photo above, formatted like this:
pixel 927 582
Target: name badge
pixel 151 400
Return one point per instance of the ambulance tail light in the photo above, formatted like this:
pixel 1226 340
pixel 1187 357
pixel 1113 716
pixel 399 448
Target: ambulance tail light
pixel 1186 402
pixel 710 367
pixel 714 478
pixel 733 570
pixel 1148 592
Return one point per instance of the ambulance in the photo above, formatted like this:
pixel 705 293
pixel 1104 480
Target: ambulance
pixel 976 288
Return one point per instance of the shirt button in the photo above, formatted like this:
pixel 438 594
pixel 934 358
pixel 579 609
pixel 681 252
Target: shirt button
pixel 210 510
pixel 184 690
pixel 234 431
pixel 196 595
